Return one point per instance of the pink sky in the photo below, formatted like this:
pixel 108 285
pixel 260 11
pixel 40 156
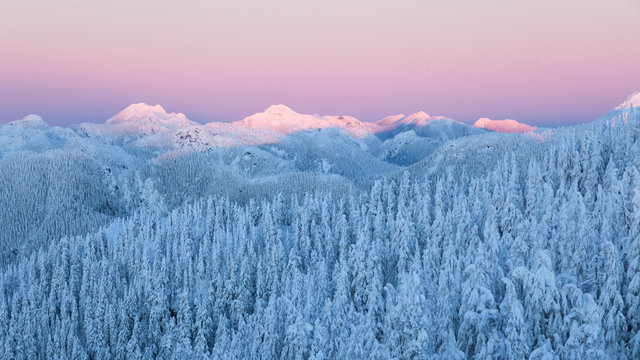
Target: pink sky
pixel 543 62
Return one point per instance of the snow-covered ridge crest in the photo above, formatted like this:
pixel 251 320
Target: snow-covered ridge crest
pixel 632 100
pixel 419 118
pixel 504 126
pixel 153 126
pixel 279 120
pixel 269 126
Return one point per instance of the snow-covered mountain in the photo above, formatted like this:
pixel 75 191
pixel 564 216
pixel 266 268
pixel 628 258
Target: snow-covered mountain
pixel 281 120
pixel 400 139
pixel 145 125
pixel 152 126
pixel 504 126
pixel 146 119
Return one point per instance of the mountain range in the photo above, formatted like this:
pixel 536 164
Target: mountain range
pixel 275 122
pixel 152 125
pixel 399 139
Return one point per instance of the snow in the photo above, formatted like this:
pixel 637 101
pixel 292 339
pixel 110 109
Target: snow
pixel 31 120
pixel 434 239
pixel 32 133
pixel 504 126
pixel 152 126
pixel 389 120
pixel 144 119
pixel 282 120
pixel 419 118
pixel 632 100
pixel 279 110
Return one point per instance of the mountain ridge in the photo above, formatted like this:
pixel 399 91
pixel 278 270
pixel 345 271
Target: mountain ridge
pixel 151 125
pixel 504 126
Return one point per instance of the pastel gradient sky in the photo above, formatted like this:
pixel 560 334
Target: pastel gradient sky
pixel 545 62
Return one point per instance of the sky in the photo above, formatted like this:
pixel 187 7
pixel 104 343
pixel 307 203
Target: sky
pixel 544 62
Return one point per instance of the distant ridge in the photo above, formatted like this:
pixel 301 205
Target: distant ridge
pixel 151 125
pixel 504 126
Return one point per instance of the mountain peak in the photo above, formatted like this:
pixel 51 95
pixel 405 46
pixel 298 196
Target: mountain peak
pixel 420 114
pixel 145 118
pixel 145 107
pixel 503 126
pixel 279 120
pixel 632 100
pixel 139 111
pixel 279 109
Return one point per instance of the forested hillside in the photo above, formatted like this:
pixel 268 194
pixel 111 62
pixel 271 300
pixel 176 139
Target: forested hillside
pixel 489 246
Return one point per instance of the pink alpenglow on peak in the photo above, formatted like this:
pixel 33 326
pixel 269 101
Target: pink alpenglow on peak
pixel 504 126
pixel 282 120
pixel 143 118
pixel 279 110
pixel 632 100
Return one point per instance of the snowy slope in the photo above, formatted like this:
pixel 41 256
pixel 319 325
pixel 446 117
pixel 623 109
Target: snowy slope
pixel 408 139
pixel 407 143
pixel 632 100
pixel 623 112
